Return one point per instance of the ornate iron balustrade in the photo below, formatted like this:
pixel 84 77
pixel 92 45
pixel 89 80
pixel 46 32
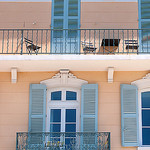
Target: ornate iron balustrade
pixel 75 41
pixel 63 141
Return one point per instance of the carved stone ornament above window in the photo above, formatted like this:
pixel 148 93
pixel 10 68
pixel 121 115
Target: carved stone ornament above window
pixel 142 83
pixel 64 79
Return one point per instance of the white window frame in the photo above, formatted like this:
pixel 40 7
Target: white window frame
pixel 140 115
pixel 143 86
pixel 63 105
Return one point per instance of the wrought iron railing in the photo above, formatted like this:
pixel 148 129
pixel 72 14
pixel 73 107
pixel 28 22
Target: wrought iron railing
pixel 63 141
pixel 75 41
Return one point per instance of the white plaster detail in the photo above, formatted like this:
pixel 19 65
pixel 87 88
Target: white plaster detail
pixel 64 79
pixel 143 86
pixel 143 148
pixel 147 76
pixel 110 74
pixel 142 83
pixel 35 63
pixel 13 75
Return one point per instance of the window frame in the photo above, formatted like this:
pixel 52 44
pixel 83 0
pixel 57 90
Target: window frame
pixel 63 105
pixel 140 115
pixel 143 85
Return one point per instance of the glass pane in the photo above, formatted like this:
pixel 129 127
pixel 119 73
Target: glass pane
pixel 73 8
pixel 55 115
pixel 70 142
pixel 145 36
pixel 58 24
pixel 145 9
pixel 145 117
pixel 70 115
pixel 146 100
pixel 55 128
pixel 71 95
pixel 58 7
pixel 56 95
pixel 72 24
pixel 146 136
pixel 70 128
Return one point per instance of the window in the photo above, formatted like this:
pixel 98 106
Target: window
pixel 145 111
pixel 143 86
pixel 63 110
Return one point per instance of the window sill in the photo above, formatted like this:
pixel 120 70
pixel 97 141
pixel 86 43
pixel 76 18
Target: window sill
pixel 143 148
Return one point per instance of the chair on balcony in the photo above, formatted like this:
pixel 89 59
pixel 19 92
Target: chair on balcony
pixel 88 47
pixel 30 46
pixel 131 45
pixel 110 45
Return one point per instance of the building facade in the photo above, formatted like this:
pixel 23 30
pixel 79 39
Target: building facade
pixel 74 74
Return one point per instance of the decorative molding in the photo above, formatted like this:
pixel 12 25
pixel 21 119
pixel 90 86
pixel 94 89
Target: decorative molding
pixel 142 83
pixel 110 74
pixel 143 148
pixel 62 73
pixel 64 79
pixel 147 76
pixel 13 75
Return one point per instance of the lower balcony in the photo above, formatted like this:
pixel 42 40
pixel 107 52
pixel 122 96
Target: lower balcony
pixel 63 141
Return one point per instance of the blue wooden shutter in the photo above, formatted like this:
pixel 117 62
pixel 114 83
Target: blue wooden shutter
pixel 37 108
pixel 144 23
pixel 89 108
pixel 65 15
pixel 129 115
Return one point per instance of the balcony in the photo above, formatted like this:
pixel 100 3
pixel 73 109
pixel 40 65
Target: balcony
pixel 63 141
pixel 75 41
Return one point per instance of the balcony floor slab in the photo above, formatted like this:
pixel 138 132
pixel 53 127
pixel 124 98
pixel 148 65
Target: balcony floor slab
pixel 32 63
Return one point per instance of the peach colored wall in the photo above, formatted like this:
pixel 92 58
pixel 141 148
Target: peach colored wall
pixel 112 15
pixel 14 103
pixel 24 14
pixel 93 15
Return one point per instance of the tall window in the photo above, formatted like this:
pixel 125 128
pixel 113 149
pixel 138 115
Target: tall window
pixel 65 15
pixel 145 96
pixel 63 110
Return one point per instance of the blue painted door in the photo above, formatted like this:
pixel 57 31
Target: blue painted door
pixel 144 24
pixel 65 20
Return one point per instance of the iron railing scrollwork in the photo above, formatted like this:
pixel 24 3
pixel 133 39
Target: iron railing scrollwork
pixel 63 141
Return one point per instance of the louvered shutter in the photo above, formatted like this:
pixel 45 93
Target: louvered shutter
pixel 65 15
pixel 129 115
pixel 89 108
pixel 37 108
pixel 144 23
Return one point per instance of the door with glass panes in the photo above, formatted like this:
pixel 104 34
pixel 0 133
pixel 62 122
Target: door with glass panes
pixel 63 110
pixel 144 24
pixel 65 38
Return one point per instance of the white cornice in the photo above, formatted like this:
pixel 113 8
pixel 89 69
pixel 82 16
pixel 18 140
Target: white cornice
pixel 64 79
pixel 142 83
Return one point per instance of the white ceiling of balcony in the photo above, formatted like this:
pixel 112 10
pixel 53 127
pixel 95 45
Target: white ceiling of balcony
pixel 33 63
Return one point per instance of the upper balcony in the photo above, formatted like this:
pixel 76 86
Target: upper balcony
pixel 75 41
pixel 76 49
